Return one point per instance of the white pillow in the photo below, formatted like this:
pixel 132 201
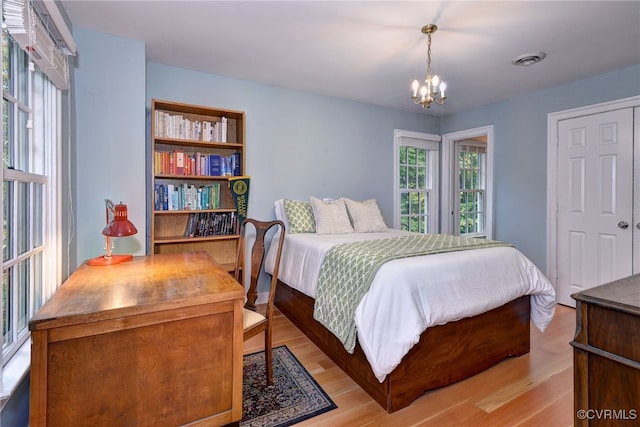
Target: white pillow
pixel 281 214
pixel 365 216
pixel 331 217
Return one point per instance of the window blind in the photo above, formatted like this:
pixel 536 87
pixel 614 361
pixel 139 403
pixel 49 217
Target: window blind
pixel 26 26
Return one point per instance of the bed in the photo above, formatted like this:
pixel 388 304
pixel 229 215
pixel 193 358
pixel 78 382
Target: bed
pixel 424 321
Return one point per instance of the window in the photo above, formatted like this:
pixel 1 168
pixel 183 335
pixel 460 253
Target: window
pixel 30 250
pixel 416 158
pixel 471 161
pixel 467 182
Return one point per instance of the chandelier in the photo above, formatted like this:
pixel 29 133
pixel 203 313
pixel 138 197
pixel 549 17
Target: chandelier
pixel 433 89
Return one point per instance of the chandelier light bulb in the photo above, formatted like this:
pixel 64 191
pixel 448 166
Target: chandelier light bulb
pixel 443 86
pixel 436 82
pixel 415 86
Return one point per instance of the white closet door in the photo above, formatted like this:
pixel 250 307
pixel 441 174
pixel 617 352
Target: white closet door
pixel 595 224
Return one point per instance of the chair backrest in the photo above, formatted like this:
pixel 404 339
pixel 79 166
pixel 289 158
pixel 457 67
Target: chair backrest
pixel 258 254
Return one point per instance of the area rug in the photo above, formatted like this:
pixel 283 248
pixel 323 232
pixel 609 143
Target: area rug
pixel 295 395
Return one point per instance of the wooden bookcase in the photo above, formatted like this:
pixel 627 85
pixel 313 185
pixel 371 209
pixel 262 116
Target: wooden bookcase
pixel 186 140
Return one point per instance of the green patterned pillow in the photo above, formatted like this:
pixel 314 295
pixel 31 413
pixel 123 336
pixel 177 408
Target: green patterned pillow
pixel 299 216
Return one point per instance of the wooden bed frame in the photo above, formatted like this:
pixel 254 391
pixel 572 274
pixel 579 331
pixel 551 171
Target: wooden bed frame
pixel 445 354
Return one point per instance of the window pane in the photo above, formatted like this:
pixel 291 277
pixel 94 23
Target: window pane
pixel 425 204
pixel 403 155
pixel 38 214
pixel 43 122
pixel 415 203
pixel 411 155
pixel 422 157
pixel 38 280
pixel 412 178
pixel 21 153
pixel 23 295
pixel 404 203
pixel 403 177
pixel 7 303
pixel 22 222
pixel 22 76
pixel 6 131
pixel 7 202
pixel 404 223
pixel 6 76
pixel 414 224
pixel 422 178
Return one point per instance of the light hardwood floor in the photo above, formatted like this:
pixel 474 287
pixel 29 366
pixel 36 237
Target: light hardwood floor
pixel 531 390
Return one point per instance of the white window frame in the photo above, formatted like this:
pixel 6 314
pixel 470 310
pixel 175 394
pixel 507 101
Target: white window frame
pixel 44 136
pixel 460 146
pixel 449 188
pixel 429 142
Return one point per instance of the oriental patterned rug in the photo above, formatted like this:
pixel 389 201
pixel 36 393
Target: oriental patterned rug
pixel 295 395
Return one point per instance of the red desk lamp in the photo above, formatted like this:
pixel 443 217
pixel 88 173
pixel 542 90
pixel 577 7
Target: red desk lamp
pixel 119 226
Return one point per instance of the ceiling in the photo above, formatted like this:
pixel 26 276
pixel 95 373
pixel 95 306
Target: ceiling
pixel 370 51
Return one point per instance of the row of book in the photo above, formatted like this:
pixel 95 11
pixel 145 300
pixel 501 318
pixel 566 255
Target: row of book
pixel 204 224
pixel 181 197
pixel 170 125
pixel 177 162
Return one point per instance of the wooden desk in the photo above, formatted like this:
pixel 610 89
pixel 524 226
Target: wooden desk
pixel 607 354
pixel 154 341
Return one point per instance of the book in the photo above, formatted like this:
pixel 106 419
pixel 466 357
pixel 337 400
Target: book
pixel 215 165
pixel 191 225
pixel 179 162
pixel 232 132
pixel 223 131
pixel 236 164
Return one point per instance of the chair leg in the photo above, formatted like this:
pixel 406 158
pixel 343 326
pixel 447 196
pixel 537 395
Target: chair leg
pixel 268 353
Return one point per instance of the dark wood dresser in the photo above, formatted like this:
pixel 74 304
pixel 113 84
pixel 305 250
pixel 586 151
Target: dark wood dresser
pixel 607 354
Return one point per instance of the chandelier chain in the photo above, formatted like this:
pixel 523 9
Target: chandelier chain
pixel 429 55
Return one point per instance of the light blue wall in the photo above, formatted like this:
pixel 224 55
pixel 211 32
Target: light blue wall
pixel 299 144
pixel 109 138
pixel 520 162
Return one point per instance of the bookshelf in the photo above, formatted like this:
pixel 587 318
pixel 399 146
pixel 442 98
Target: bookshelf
pixel 195 149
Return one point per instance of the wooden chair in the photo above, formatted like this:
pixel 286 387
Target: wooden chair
pixel 254 322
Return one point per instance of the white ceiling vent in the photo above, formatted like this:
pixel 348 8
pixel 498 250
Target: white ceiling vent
pixel 528 59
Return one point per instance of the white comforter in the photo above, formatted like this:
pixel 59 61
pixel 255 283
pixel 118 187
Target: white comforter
pixel 427 290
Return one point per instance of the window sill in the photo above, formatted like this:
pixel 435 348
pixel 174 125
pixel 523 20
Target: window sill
pixel 15 371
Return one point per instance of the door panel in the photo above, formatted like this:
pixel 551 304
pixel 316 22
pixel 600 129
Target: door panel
pixel 594 193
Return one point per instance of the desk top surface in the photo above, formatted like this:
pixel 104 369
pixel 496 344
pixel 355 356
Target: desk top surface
pixel 622 294
pixel 144 285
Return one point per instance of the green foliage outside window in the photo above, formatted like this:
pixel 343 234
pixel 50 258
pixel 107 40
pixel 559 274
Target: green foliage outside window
pixel 471 194
pixel 414 192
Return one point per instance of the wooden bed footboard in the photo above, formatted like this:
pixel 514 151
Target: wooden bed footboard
pixel 445 354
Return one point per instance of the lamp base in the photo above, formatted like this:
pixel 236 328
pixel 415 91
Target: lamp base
pixel 104 260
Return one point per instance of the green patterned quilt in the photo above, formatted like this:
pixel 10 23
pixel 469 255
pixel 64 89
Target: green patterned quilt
pixel 348 270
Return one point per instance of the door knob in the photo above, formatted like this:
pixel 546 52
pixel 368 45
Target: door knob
pixel 624 224
pixel 638 226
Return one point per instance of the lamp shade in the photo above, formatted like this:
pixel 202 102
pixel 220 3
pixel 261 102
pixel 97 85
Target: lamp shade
pixel 120 226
